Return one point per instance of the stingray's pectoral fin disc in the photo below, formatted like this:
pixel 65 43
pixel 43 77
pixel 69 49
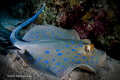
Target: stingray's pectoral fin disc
pixel 64 72
pixel 86 67
pixel 46 32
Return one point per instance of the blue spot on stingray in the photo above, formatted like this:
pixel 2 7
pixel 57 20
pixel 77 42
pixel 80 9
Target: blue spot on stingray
pixel 65 59
pixel 45 36
pixel 57 63
pixel 95 66
pixel 57 50
pixel 30 58
pixel 92 56
pixel 63 66
pixel 96 58
pixel 36 60
pixel 47 52
pixel 28 36
pixel 92 61
pixel 58 31
pixel 43 32
pixel 93 51
pixel 34 63
pixel 53 59
pixel 52 33
pixel 31 52
pixel 46 61
pixel 54 67
pixel 76 56
pixel 66 36
pixel 32 37
pixel 67 46
pixel 68 52
pixel 39 58
pixel 59 54
pixel 73 60
pixel 79 54
pixel 78 61
pixel 48 69
pixel 84 57
pixel 37 36
pixel 79 45
pixel 72 42
pixel 96 62
pixel 36 32
pixel 35 40
pixel 40 66
pixel 60 37
pixel 56 36
pixel 32 34
pixel 73 49
pixel 86 61
pixel 48 29
pixel 58 71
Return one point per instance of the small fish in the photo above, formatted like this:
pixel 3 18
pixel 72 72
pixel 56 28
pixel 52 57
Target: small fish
pixel 56 51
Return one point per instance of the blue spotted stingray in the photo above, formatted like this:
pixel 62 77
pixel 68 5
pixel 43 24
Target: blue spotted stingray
pixel 56 51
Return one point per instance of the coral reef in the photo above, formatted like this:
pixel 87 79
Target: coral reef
pixel 93 23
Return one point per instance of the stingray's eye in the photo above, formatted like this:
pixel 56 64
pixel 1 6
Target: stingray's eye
pixel 88 47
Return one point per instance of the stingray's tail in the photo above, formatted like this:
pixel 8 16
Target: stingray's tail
pixel 13 37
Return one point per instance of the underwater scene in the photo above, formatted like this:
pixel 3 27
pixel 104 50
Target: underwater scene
pixel 59 40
